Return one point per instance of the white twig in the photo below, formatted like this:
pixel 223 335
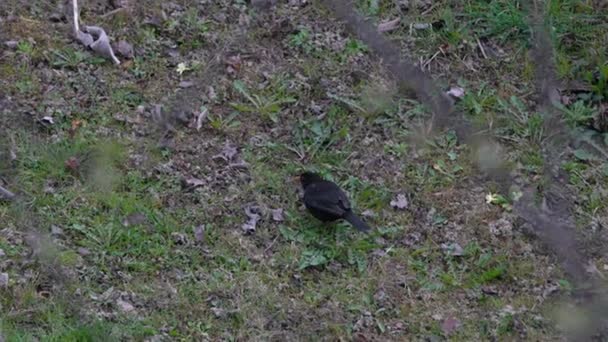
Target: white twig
pixel 427 64
pixel 483 51
pixel 76 16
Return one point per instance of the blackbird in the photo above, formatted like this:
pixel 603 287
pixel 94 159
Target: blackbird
pixel 327 202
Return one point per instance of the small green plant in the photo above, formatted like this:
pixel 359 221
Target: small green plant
pixel 352 47
pixel 302 40
pixel 318 135
pixel 519 123
pixel 370 7
pixel 70 58
pixel 504 20
pixel 599 83
pixel 480 102
pixel 453 32
pixel 312 258
pixel 220 123
pixel 506 324
pixel 25 48
pixel 396 149
pixel 268 106
pixel 579 114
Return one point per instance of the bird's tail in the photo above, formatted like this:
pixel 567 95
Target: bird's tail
pixel 356 222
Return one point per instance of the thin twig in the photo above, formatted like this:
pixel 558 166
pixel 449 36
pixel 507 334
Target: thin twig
pixel 271 244
pixel 483 52
pixel 6 194
pixel 112 12
pixel 430 60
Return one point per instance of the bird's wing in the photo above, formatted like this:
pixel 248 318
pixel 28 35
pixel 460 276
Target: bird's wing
pixel 329 199
pixel 326 206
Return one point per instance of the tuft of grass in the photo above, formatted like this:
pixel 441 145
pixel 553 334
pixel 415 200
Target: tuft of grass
pixel 501 19
pixel 267 104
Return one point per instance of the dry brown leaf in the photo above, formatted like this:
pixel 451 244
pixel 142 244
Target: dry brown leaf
pixel 125 49
pixel 199 233
pixel 449 325
pixel 277 215
pixel 253 216
pixel 192 182
pixel 388 26
pixel 200 117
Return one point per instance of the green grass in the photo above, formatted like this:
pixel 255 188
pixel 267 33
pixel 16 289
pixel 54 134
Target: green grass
pixel 308 96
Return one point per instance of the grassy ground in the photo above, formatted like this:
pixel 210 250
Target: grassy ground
pixel 129 219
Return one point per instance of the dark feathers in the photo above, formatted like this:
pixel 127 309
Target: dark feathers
pixel 327 202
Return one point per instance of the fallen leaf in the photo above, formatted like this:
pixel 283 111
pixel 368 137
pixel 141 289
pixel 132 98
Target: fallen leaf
pixel 277 215
pixel 449 325
pixel 199 233
pixel 125 49
pixel 389 25
pixel 233 64
pixel 56 231
pixel 456 92
pixel 421 26
pixel 211 94
pixel 228 152
pixel 76 124
pixel 218 312
pixel 200 117
pixel 3 279
pixel 83 251
pixel 368 213
pixel 125 306
pixel 134 219
pixel 179 238
pixel 501 227
pixel 253 216
pixel 105 296
pixel 72 164
pixel 11 44
pixel 185 84
pixel 49 187
pixel 241 164
pixel 591 268
pixel 584 155
pixel 400 202
pixel 453 249
pixel 192 182
pixel 489 290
